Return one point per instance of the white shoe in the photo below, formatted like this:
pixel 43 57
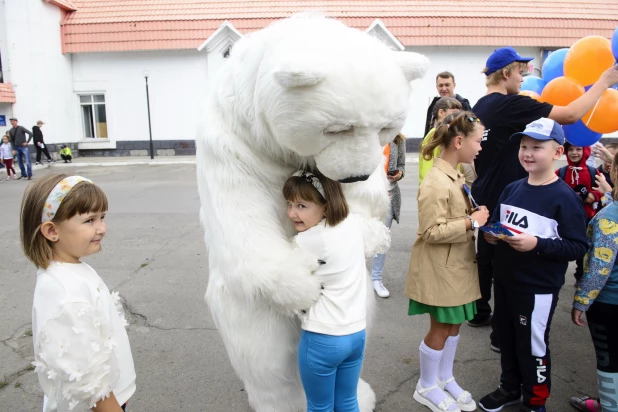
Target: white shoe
pixel 461 399
pixel 381 291
pixel 445 406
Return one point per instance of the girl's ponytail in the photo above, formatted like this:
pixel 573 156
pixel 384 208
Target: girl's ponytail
pixel 437 140
pixel 453 125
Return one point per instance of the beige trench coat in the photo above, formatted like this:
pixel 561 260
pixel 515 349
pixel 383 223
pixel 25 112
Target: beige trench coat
pixel 442 269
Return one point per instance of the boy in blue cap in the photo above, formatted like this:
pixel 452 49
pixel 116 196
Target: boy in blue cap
pixel 504 112
pixel 548 221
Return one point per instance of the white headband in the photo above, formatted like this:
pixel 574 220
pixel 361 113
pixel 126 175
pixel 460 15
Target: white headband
pixel 311 178
pixel 57 195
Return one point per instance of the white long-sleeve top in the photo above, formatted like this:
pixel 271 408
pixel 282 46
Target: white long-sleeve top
pixel 6 151
pixel 81 348
pixel 341 309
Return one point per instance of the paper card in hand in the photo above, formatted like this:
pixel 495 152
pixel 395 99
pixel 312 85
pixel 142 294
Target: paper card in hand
pixel 497 230
pixel 469 193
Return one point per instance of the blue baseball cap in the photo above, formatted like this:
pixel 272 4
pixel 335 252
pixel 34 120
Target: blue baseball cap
pixel 503 57
pixel 542 129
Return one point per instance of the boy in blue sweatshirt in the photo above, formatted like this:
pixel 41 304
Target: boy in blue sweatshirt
pixel 549 225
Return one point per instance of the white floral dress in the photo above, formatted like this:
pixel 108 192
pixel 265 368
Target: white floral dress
pixel 81 347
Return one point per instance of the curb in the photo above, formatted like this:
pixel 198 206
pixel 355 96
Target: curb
pixel 410 158
pixel 128 163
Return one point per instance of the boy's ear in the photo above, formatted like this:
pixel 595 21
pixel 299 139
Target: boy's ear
pixel 48 230
pixel 559 152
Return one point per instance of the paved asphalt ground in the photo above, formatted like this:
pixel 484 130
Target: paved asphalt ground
pixel 154 255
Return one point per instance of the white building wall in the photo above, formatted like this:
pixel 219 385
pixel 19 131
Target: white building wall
pixel 177 84
pixel 34 63
pixel 466 64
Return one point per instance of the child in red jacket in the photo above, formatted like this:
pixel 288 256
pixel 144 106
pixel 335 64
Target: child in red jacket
pixel 581 178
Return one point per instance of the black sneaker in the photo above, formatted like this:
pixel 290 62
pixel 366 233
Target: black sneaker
pixel 498 399
pixel 480 321
pixel 495 347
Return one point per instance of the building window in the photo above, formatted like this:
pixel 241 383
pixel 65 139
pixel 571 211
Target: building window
pixel 94 119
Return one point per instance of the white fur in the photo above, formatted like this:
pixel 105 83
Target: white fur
pixel 280 92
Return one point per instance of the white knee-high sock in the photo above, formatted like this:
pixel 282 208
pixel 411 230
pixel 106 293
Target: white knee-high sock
pixel 430 360
pixel 445 369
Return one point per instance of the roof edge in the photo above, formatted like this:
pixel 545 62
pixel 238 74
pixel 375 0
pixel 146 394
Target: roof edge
pixel 383 34
pixel 225 31
pixel 7 93
pixel 63 4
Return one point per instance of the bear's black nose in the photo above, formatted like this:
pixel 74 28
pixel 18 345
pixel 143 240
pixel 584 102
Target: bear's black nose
pixel 354 179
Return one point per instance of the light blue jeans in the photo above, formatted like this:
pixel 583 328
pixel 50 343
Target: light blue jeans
pixel 23 155
pixel 330 368
pixel 377 266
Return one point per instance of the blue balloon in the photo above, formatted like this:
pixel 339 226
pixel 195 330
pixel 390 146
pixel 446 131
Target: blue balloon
pixel 615 44
pixel 553 66
pixel 578 134
pixel 534 84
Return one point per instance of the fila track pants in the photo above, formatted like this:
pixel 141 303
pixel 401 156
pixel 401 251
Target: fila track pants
pixel 524 320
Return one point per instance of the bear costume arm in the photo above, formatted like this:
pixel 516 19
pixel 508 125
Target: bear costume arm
pixel 249 251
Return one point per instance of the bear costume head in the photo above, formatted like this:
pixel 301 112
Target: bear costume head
pixel 322 95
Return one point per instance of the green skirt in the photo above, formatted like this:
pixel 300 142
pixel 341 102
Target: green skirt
pixel 452 315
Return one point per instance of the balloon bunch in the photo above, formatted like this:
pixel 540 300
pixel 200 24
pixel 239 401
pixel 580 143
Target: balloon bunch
pixel 568 74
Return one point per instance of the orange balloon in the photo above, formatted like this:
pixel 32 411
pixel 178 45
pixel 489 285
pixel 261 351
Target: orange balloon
pixel 561 91
pixel 530 94
pixel 604 117
pixel 587 59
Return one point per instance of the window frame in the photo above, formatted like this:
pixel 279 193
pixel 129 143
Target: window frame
pixel 95 134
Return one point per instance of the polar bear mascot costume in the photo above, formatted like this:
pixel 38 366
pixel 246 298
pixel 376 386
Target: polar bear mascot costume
pixel 305 92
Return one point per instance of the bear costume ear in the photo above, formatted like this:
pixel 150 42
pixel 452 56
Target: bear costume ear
pixel 299 73
pixel 291 78
pixel 413 65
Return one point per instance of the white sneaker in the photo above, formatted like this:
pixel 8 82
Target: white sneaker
pixel 381 291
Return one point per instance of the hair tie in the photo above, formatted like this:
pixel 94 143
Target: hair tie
pixel 57 195
pixel 313 179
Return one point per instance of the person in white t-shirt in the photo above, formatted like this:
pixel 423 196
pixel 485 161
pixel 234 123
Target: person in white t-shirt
pixel 82 353
pixel 332 344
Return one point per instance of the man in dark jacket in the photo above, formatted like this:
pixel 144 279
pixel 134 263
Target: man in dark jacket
pixel 17 135
pixel 39 144
pixel 445 84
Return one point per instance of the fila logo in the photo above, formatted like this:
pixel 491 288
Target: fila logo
pixel 541 368
pixel 514 219
pixel 523 320
pixel 485 135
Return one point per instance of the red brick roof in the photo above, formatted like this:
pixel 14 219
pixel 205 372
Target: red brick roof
pixel 7 95
pixel 122 25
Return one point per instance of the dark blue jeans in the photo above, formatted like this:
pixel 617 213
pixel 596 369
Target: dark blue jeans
pixel 24 155
pixel 330 368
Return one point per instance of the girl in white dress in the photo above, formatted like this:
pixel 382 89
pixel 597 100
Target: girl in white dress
pixel 82 354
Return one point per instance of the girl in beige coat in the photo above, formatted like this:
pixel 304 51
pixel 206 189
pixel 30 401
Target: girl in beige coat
pixel 442 277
